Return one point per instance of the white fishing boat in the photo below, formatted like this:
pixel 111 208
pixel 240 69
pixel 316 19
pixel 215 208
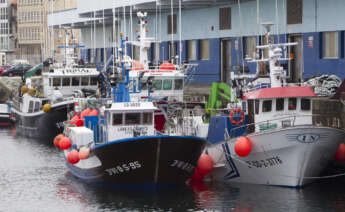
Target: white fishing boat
pixel 279 138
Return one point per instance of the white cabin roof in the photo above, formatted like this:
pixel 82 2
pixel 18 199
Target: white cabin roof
pixel 64 72
pixel 132 106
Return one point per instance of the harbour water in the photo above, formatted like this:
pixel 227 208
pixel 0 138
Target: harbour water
pixel 34 178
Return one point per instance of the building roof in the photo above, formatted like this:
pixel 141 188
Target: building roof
pixel 280 92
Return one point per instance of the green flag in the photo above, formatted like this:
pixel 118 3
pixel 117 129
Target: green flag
pixel 33 70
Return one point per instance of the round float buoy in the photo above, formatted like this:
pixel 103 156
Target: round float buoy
pixel 167 66
pixel 197 176
pixel 47 108
pixel 243 146
pixel 32 91
pixel 79 123
pixel 340 154
pixel 84 153
pixel 73 157
pixel 65 143
pixel 74 119
pixel 205 164
pixel 24 89
pixel 93 113
pixel 57 140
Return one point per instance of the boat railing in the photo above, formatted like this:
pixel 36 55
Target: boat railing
pixel 288 121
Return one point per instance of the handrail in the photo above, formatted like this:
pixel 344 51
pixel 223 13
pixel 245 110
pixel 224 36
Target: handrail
pixel 292 118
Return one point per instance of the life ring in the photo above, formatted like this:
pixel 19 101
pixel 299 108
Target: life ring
pixel 232 120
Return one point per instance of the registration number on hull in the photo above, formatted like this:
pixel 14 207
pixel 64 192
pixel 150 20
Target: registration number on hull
pixel 125 167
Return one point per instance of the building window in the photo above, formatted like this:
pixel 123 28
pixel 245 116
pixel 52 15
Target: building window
pixel 172 24
pixel 172 50
pixel 225 18
pixel 294 11
pixel 330 45
pixel 191 49
pixel 205 49
pixel 156 52
pixel 250 43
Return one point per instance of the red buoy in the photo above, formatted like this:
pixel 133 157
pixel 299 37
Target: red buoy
pixel 57 140
pixel 84 153
pixel 243 146
pixel 73 157
pixel 79 123
pixel 85 113
pixel 205 164
pixel 74 119
pixel 197 176
pixel 340 154
pixel 65 143
pixel 167 66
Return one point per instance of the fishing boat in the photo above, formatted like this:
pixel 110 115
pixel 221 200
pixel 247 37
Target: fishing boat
pixel 274 133
pixel 41 104
pixel 121 147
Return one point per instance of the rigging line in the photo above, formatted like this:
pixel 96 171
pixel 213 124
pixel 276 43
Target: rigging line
pixel 277 22
pixel 114 33
pixel 241 36
pixel 125 28
pixel 104 48
pixel 180 32
pixel 91 38
pixel 94 36
pixel 172 28
pixel 258 21
pixel 131 27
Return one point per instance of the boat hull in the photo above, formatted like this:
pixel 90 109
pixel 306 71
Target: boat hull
pixel 290 157
pixel 149 160
pixel 44 126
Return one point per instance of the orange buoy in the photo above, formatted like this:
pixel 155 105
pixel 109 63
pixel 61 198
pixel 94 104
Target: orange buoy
pixel 85 113
pixel 65 143
pixel 73 157
pixel 137 66
pixel 84 153
pixel 167 66
pixel 340 154
pixel 57 140
pixel 93 113
pixel 243 146
pixel 205 164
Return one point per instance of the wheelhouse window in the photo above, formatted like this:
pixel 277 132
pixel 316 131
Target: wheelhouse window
pixel 147 118
pixel 66 81
pixel 167 84
pixel 157 84
pixel 267 106
pixel 85 81
pixel 257 106
pixel 117 118
pixel 292 103
pixel 279 104
pixel 305 104
pixel 75 81
pixel 132 118
pixel 31 106
pixel 330 45
pixel 37 106
pixel 93 80
pixel 56 82
pixel 205 49
pixel 178 84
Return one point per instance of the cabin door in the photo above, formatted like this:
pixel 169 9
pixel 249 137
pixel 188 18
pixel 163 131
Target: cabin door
pixel 251 127
pixel 225 60
pixel 296 64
